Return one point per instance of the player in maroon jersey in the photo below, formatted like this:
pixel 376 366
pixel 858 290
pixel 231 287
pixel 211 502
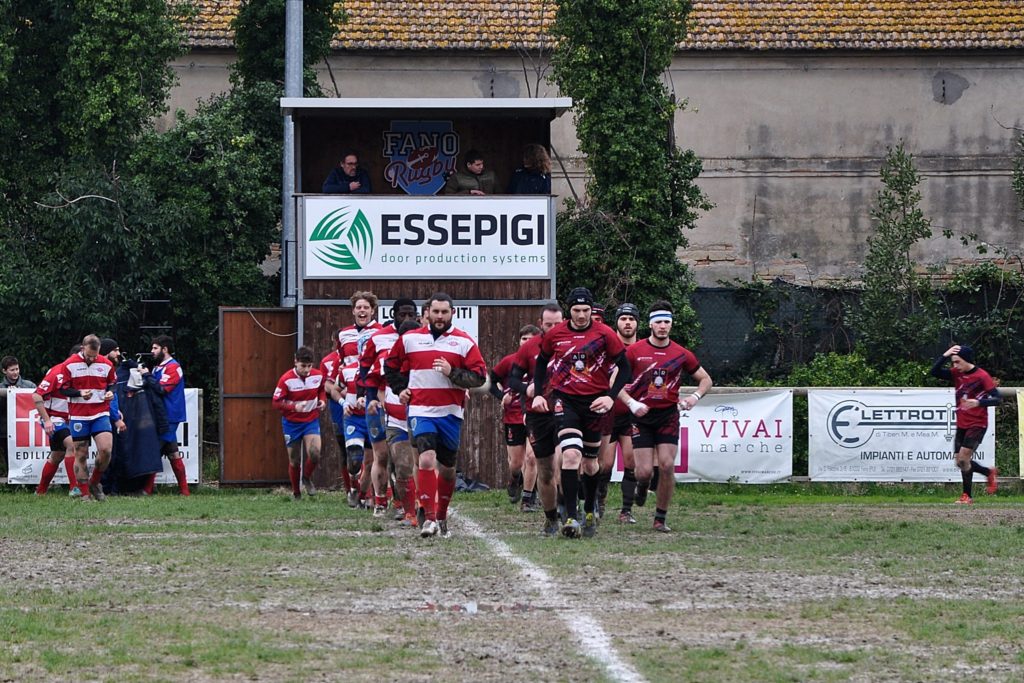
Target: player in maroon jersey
pixel 975 392
pixel 582 355
pixel 522 464
pixel 540 424
pixel 627 320
pixel 653 396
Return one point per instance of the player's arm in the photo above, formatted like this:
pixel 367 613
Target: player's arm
pixel 939 368
pixel 281 401
pixel 37 400
pixel 704 384
pixel 393 374
pixel 496 389
pixel 474 374
pixel 622 375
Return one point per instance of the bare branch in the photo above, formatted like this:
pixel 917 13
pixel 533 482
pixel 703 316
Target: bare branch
pixel 69 202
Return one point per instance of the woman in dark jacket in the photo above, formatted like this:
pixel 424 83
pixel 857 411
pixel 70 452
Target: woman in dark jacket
pixel 535 175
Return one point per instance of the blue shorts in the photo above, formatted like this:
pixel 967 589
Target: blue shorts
pixel 294 431
pixel 447 428
pixel 375 425
pixel 171 435
pixel 355 430
pixel 337 416
pixel 83 430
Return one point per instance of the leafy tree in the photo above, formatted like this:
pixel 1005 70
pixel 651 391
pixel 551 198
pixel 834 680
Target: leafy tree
pixel 896 316
pixel 623 243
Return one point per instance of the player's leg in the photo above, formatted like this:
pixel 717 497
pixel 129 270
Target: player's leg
pixel 404 461
pixel 58 455
pixel 169 448
pixel 628 477
pixel 529 503
pixel 666 455
pixel 80 453
pixel 103 438
pixel 447 453
pixel 311 444
pixel 425 438
pixel 515 446
pixel 379 469
pixel 294 449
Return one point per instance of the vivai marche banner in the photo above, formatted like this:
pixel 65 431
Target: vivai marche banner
pixel 417 237
pixel 28 446
pixel 887 435
pixel 742 437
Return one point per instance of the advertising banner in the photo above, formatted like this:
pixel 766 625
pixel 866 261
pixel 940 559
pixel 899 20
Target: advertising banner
pixel 410 237
pixel 745 438
pixel 466 318
pixel 28 446
pixel 887 435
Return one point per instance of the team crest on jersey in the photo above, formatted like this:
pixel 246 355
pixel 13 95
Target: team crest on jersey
pixel 412 424
pixel 350 429
pixel 420 155
pixel 659 378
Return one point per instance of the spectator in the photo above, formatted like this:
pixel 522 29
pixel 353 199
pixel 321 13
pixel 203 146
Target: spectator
pixel 12 375
pixel 475 180
pixel 12 380
pixel 348 177
pixel 534 176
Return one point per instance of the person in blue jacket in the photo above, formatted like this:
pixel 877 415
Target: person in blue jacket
pixel 348 177
pixel 534 176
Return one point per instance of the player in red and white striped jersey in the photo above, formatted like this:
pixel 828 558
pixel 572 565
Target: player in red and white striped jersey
pixel 364 311
pixel 89 379
pixel 371 360
pixel 300 398
pixel 442 363
pixel 52 407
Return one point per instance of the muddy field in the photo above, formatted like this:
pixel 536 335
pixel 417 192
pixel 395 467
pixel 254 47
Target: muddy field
pixel 810 592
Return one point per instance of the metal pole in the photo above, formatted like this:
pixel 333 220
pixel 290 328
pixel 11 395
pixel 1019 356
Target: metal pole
pixel 292 88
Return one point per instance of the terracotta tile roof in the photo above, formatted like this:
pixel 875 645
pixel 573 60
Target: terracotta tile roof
pixel 725 25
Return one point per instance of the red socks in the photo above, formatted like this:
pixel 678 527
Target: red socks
pixel 445 490
pixel 49 469
pixel 308 468
pixel 69 467
pixel 150 484
pixel 293 474
pixel 409 500
pixel 96 475
pixel 426 486
pixel 178 467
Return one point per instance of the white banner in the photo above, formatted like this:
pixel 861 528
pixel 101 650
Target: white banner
pixel 887 435
pixel 28 446
pixel 427 237
pixel 746 438
pixel 466 318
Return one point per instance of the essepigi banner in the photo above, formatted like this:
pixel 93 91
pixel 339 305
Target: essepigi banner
pixel 745 438
pixel 28 446
pixel 415 237
pixel 887 435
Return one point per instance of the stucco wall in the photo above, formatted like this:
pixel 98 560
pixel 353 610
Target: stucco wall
pixel 791 144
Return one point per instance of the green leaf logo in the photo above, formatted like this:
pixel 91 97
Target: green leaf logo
pixel 346 243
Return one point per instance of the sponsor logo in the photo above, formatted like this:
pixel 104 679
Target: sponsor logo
pixel 343 241
pixel 851 424
pixel 420 155
pixel 28 430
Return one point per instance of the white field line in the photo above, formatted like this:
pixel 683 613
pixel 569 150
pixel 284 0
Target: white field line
pixel 595 642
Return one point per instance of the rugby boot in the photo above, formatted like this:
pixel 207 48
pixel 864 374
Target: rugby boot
pixel 661 527
pixel 589 525
pixel 429 529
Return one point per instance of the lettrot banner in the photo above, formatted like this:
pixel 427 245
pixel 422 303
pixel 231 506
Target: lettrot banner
pixel 424 237
pixel 28 446
pixel 887 435
pixel 745 438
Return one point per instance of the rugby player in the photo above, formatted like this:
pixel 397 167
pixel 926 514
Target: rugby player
pixel 443 362
pixel 300 398
pixel 540 423
pixel 398 440
pixel 89 379
pixel 52 407
pixel 522 464
pixel 583 354
pixel 335 392
pixel 358 452
pixel 167 380
pixel 627 320
pixel 364 323
pixel 975 392
pixel 371 359
pixel 657 364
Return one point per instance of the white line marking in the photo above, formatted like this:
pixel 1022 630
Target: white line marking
pixel 596 643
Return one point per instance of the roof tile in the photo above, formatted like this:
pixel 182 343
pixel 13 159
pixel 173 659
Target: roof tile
pixel 715 25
